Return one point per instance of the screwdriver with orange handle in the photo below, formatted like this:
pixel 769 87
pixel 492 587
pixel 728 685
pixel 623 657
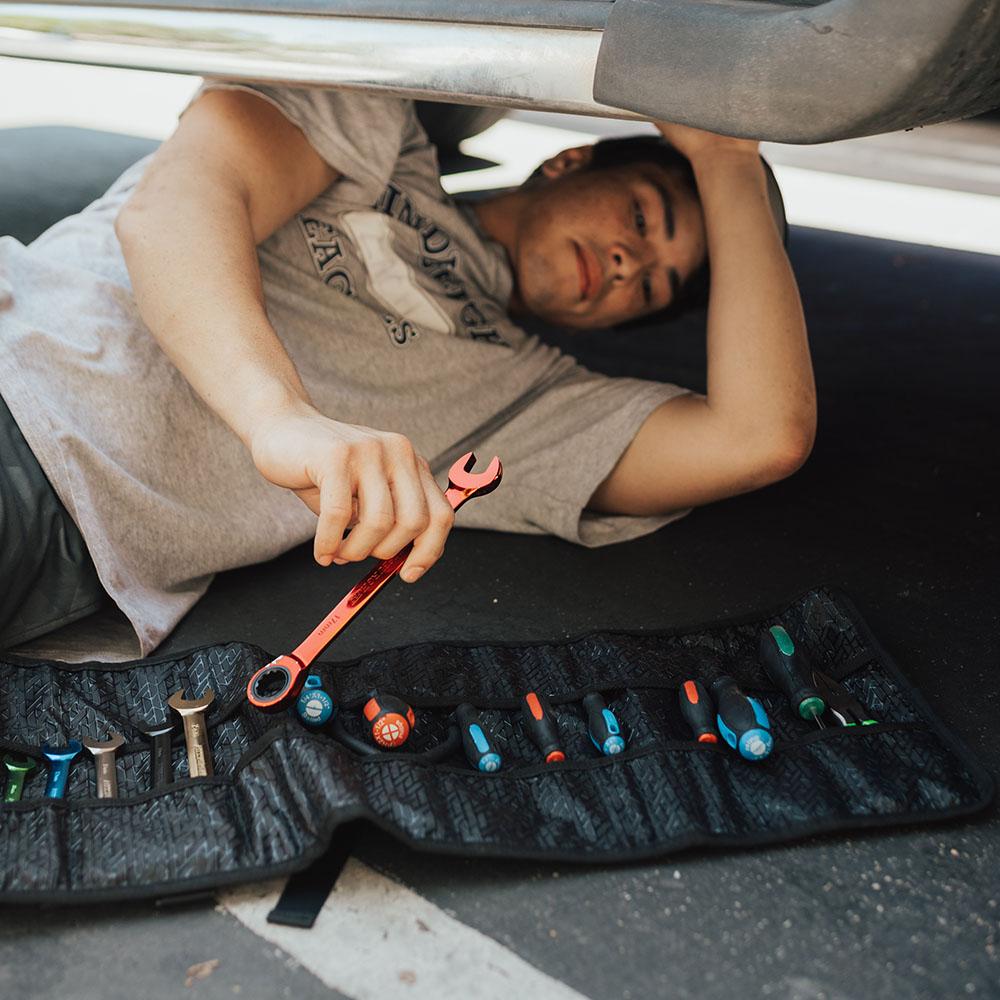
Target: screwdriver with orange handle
pixel 390 718
pixel 698 712
pixel 540 725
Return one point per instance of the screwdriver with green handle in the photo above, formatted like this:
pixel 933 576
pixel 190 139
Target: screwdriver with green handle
pixel 788 671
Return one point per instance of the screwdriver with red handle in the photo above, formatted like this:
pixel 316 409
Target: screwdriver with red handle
pixel 540 725
pixel 390 718
pixel 698 711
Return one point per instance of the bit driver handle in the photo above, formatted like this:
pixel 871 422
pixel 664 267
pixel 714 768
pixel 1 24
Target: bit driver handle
pixel 786 667
pixel 742 721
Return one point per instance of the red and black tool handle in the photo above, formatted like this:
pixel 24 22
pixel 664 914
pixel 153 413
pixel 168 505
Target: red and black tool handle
pixel 541 726
pixel 390 718
pixel 698 711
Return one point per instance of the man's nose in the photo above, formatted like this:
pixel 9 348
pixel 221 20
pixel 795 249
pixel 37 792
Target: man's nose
pixel 624 262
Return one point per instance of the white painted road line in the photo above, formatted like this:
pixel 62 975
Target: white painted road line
pixel 375 938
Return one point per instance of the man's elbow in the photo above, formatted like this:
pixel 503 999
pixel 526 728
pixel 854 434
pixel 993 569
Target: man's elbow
pixel 786 451
pixel 128 223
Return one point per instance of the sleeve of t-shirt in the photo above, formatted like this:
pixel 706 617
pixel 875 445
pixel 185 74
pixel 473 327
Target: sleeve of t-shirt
pixel 558 449
pixel 359 134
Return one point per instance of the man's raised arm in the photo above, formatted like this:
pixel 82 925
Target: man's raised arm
pixel 234 171
pixel 757 421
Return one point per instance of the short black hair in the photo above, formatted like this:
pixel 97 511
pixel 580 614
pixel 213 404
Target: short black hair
pixel 628 151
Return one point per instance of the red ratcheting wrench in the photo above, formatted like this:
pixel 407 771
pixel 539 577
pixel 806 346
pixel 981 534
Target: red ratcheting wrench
pixel 277 684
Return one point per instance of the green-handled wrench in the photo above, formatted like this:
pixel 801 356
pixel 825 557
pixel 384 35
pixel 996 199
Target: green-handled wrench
pixel 18 768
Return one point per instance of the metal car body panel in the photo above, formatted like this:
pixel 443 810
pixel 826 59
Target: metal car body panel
pixel 785 70
pixel 467 62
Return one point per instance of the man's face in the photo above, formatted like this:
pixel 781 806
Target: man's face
pixel 600 247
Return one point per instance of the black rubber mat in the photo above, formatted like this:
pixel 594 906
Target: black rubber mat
pixel 280 790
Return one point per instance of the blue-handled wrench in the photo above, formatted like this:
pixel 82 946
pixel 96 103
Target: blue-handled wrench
pixel 59 759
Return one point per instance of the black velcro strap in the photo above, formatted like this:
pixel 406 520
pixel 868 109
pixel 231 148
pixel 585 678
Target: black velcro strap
pixel 306 891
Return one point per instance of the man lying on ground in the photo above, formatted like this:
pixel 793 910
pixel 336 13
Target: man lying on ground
pixel 279 326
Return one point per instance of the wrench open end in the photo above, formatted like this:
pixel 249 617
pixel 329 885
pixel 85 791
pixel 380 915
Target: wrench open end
pixel 99 746
pixel 471 484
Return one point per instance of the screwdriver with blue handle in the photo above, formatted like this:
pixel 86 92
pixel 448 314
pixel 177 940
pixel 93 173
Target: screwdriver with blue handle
pixel 742 721
pixel 477 741
pixel 605 733
pixel 789 672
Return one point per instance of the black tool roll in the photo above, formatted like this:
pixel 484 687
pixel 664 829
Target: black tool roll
pixel 280 790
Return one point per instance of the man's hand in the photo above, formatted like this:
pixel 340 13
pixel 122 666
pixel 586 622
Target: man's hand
pixel 696 142
pixel 371 481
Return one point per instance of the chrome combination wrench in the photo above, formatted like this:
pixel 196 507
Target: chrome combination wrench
pixel 192 711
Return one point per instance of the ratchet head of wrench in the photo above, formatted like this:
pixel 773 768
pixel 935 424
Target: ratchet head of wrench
pixel 276 685
pixel 97 747
pixel 185 706
pixel 469 484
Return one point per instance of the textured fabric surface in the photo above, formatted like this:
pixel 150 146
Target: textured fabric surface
pixel 280 790
pixel 392 304
pixel 47 578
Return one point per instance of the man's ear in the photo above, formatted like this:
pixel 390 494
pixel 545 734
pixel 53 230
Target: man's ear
pixel 566 162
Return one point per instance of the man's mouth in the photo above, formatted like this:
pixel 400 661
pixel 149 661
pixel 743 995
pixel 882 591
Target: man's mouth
pixel 588 271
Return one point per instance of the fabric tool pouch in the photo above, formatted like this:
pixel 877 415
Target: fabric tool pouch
pixel 280 790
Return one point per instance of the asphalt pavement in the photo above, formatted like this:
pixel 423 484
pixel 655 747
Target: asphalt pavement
pixel 898 506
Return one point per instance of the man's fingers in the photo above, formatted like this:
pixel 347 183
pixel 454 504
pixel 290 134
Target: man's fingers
pixel 376 515
pixel 428 547
pixel 385 494
pixel 410 507
pixel 335 515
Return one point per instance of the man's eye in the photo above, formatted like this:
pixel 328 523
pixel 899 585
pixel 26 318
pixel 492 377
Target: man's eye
pixel 647 290
pixel 640 219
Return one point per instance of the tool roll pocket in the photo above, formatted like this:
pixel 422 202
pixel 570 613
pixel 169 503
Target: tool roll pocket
pixel 280 789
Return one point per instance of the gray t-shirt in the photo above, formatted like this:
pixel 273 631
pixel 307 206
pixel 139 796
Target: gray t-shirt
pixel 390 301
